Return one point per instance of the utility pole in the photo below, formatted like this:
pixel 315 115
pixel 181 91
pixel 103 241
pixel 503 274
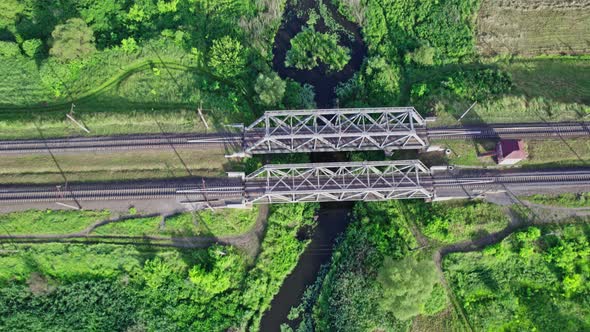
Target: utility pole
pixel 200 110
pixel 469 109
pixel 71 117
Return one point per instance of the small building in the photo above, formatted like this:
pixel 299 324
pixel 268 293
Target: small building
pixel 510 152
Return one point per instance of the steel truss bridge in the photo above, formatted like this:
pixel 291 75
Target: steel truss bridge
pixel 326 182
pixel 344 129
pixel 321 130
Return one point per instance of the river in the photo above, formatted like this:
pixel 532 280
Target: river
pixel 332 217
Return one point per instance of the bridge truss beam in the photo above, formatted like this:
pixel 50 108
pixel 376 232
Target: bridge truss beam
pixel 345 129
pixel 324 182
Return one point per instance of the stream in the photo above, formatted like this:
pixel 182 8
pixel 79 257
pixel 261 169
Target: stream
pixel 332 217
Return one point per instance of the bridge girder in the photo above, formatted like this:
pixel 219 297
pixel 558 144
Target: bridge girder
pixel 344 129
pixel 324 182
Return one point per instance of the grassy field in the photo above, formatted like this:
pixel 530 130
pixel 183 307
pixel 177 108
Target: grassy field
pixel 533 27
pixel 544 89
pixel 225 222
pixel 49 222
pixel 456 221
pixel 123 165
pixel 116 93
pixel 567 152
pixel 572 200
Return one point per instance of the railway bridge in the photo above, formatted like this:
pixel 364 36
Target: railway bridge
pixel 293 183
pixel 319 130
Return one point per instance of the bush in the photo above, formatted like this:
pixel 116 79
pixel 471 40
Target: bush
pixel 407 285
pixel 32 47
pixel 479 85
pixel 298 96
pixel 227 57
pixel 9 49
pixel 383 80
pixel 309 48
pixel 270 89
pixel 72 40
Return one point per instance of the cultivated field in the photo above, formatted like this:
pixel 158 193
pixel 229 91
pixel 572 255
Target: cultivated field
pixel 533 27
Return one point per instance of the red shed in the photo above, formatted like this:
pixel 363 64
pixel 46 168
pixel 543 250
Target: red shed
pixel 511 151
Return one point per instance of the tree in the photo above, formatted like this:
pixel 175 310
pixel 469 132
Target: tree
pixel 9 9
pixel 72 40
pixel 407 285
pixel 382 80
pixel 9 49
pixel 270 89
pixel 32 47
pixel 129 45
pixel 424 55
pixel 227 57
pixel 227 268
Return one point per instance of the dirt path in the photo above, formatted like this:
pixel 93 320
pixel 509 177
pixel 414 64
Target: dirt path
pixel 249 241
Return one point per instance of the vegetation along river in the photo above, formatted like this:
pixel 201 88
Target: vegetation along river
pixel 332 217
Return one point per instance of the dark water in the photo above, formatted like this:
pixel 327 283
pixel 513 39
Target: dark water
pixel 324 82
pixel 332 217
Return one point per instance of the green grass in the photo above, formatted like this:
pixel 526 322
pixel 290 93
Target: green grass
pixel 545 89
pixel 457 221
pixel 49 222
pixel 541 153
pixel 225 222
pixel 526 282
pixel 571 200
pixel 119 165
pixel 116 93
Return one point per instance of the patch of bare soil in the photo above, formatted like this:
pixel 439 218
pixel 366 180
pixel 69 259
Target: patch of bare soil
pixel 533 27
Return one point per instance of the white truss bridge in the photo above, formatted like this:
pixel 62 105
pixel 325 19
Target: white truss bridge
pixel 352 181
pixel 341 129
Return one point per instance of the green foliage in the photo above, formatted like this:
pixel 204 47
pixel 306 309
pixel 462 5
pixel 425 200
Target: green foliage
pixel 424 55
pixel 227 57
pixel 578 200
pixel 299 96
pixel 383 81
pixel 533 280
pixel 9 49
pixel 407 285
pixel 437 301
pixel 51 287
pixel 224 270
pixel 32 47
pixel 270 89
pixel 98 305
pixel 350 294
pixel 309 48
pixel 48 221
pixel 129 45
pixel 478 85
pixel 9 9
pixel 454 222
pixel 72 40
pixel 394 27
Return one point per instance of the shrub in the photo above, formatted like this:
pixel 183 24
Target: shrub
pixel 270 89
pixel 227 57
pixel 9 49
pixel 309 48
pixel 479 85
pixel 32 47
pixel 407 285
pixel 72 40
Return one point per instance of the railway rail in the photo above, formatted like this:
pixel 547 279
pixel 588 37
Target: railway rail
pixel 247 140
pixel 250 190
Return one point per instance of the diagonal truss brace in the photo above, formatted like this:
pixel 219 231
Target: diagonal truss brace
pixel 344 129
pixel 354 181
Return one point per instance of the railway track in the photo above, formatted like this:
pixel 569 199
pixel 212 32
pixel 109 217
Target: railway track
pixel 192 190
pixel 118 143
pixel 188 140
pixel 542 130
pixel 187 190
